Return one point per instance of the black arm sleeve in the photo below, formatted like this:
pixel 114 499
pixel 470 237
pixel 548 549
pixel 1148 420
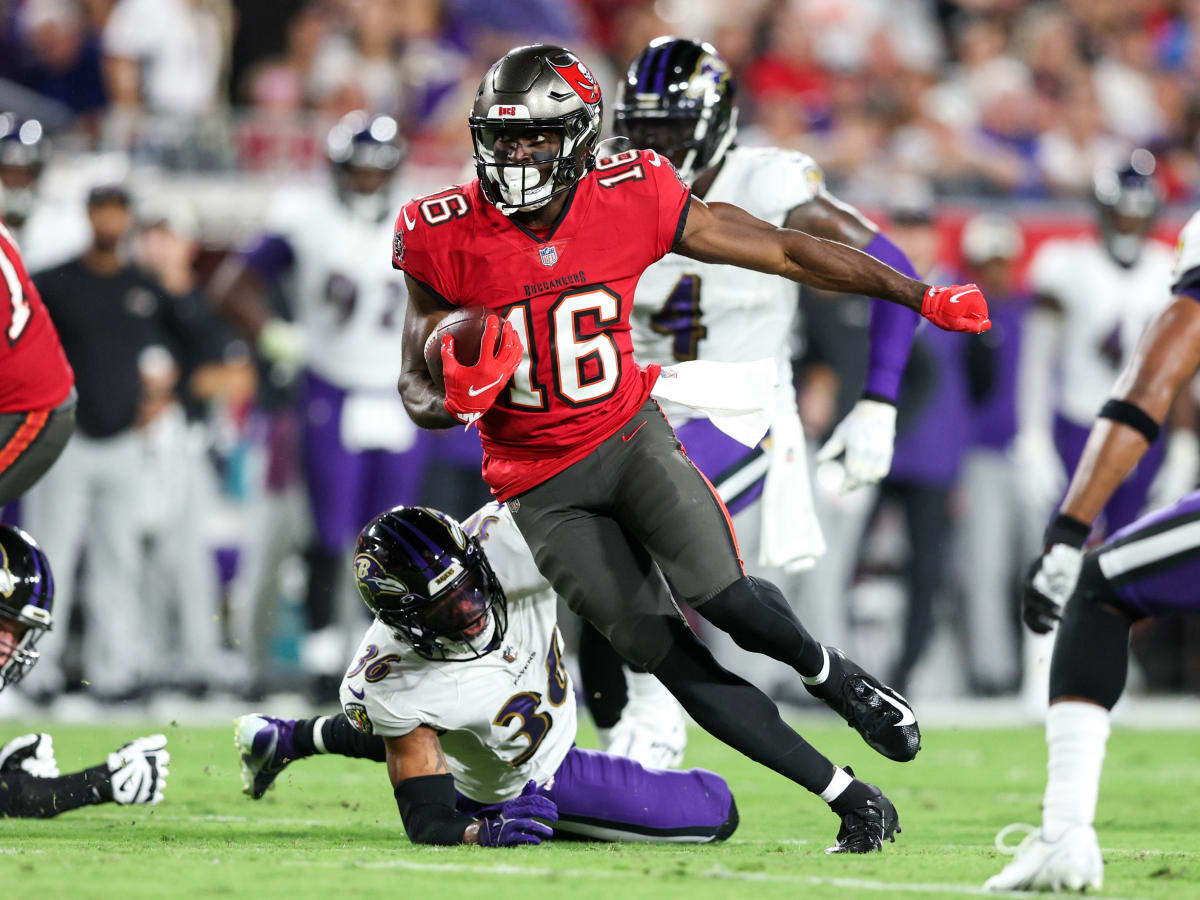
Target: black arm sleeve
pixel 25 796
pixel 427 807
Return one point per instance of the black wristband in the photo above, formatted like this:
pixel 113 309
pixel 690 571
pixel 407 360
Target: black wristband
pixel 878 398
pixel 1067 530
pixel 426 805
pixel 1131 415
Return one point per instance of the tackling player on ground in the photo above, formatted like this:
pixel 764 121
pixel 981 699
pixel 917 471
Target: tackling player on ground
pixel 1149 568
pixel 30 785
pixel 459 686
pixel 612 509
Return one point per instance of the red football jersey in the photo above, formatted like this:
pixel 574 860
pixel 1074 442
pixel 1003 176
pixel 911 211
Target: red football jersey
pixel 34 372
pixel 567 292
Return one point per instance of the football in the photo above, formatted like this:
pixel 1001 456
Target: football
pixel 466 324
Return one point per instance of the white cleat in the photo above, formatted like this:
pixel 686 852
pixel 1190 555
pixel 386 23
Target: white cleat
pixel 652 730
pixel 1071 863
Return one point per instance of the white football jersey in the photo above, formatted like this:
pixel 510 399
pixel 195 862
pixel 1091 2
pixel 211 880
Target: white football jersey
pixel 685 309
pixel 505 718
pixel 1105 309
pixel 346 296
pixel 1187 255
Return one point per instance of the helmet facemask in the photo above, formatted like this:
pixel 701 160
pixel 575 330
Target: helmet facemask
pixel 18 655
pixel 688 141
pixel 534 180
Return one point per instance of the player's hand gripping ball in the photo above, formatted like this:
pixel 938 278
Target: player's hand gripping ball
pixel 474 370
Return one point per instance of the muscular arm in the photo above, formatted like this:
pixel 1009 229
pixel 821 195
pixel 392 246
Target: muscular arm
pixel 721 233
pixel 1166 357
pixel 424 400
pixel 826 217
pixel 426 804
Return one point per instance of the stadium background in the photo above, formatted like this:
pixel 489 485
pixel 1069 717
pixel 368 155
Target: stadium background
pixel 919 111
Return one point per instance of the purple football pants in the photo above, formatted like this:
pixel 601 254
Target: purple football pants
pixel 610 798
pixel 1129 498
pixel 1154 564
pixel 347 488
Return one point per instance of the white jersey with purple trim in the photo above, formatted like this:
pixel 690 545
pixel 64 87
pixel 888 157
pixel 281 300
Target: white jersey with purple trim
pixel 1105 308
pixel 684 309
pixel 345 295
pixel 505 718
pixel 1186 274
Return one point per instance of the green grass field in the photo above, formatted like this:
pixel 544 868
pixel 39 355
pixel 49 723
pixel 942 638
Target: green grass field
pixel 331 826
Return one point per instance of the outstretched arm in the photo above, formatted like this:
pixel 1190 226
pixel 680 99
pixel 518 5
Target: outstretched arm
pixel 722 233
pixel 1166 357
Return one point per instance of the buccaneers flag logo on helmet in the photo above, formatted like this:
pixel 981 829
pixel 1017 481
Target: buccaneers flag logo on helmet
pixel 579 77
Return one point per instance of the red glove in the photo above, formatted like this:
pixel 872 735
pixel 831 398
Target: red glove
pixel 471 390
pixel 959 307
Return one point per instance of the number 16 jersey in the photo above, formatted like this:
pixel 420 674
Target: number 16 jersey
pixel 568 291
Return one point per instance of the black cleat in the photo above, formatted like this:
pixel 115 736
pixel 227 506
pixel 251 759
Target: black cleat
pixel 884 718
pixel 867 826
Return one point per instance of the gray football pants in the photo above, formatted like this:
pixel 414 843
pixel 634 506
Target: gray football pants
pixel 611 530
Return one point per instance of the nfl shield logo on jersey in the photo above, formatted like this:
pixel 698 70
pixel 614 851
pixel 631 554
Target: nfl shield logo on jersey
pixel 549 256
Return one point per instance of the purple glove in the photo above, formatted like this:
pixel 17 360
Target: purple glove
pixel 515 824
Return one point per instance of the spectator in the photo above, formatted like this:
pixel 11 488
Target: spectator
pixel 168 56
pixel 63 58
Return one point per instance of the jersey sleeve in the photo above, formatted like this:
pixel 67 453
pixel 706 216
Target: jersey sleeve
pixel 507 551
pixel 784 180
pixel 378 711
pixel 674 195
pixel 1186 274
pixel 424 229
pixel 1051 270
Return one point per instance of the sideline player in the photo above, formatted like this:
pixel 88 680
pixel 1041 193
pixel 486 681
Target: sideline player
pixel 459 686
pixel 1149 568
pixel 589 466
pixel 359 451
pixel 677 99
pixel 37 386
pixel 30 784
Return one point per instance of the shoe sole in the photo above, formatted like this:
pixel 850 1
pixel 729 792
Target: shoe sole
pixel 243 742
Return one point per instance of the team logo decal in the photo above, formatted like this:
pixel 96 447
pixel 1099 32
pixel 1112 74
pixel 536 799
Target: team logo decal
pixel 710 74
pixel 372 579
pixel 357 714
pixel 8 584
pixel 509 654
pixel 549 255
pixel 398 249
pixel 580 78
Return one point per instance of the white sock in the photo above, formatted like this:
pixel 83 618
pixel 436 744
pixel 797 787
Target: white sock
pixel 820 677
pixel 1076 734
pixel 837 784
pixel 318 737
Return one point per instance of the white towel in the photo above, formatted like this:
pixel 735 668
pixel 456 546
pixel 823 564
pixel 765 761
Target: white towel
pixel 739 398
pixel 791 535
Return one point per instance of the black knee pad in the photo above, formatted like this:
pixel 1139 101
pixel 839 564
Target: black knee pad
pixel 1091 652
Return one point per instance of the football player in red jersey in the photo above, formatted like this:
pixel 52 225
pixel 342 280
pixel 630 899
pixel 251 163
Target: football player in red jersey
pixel 554 241
pixel 37 386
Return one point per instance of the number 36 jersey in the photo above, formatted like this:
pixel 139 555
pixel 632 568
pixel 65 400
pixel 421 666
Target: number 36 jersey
pixel 568 292
pixel 505 718
pixel 686 310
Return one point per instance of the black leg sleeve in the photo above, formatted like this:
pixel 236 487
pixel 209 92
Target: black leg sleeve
pixel 602 672
pixel 758 617
pixel 24 796
pixel 736 712
pixel 343 739
pixel 1091 652
pixel 324 572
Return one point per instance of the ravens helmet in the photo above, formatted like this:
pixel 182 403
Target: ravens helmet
pixel 677 99
pixel 431 583
pixel 22 156
pixel 26 601
pixel 542 98
pixel 1127 201
pixel 365 151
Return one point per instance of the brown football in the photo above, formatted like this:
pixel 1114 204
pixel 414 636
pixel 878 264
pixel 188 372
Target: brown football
pixel 466 324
